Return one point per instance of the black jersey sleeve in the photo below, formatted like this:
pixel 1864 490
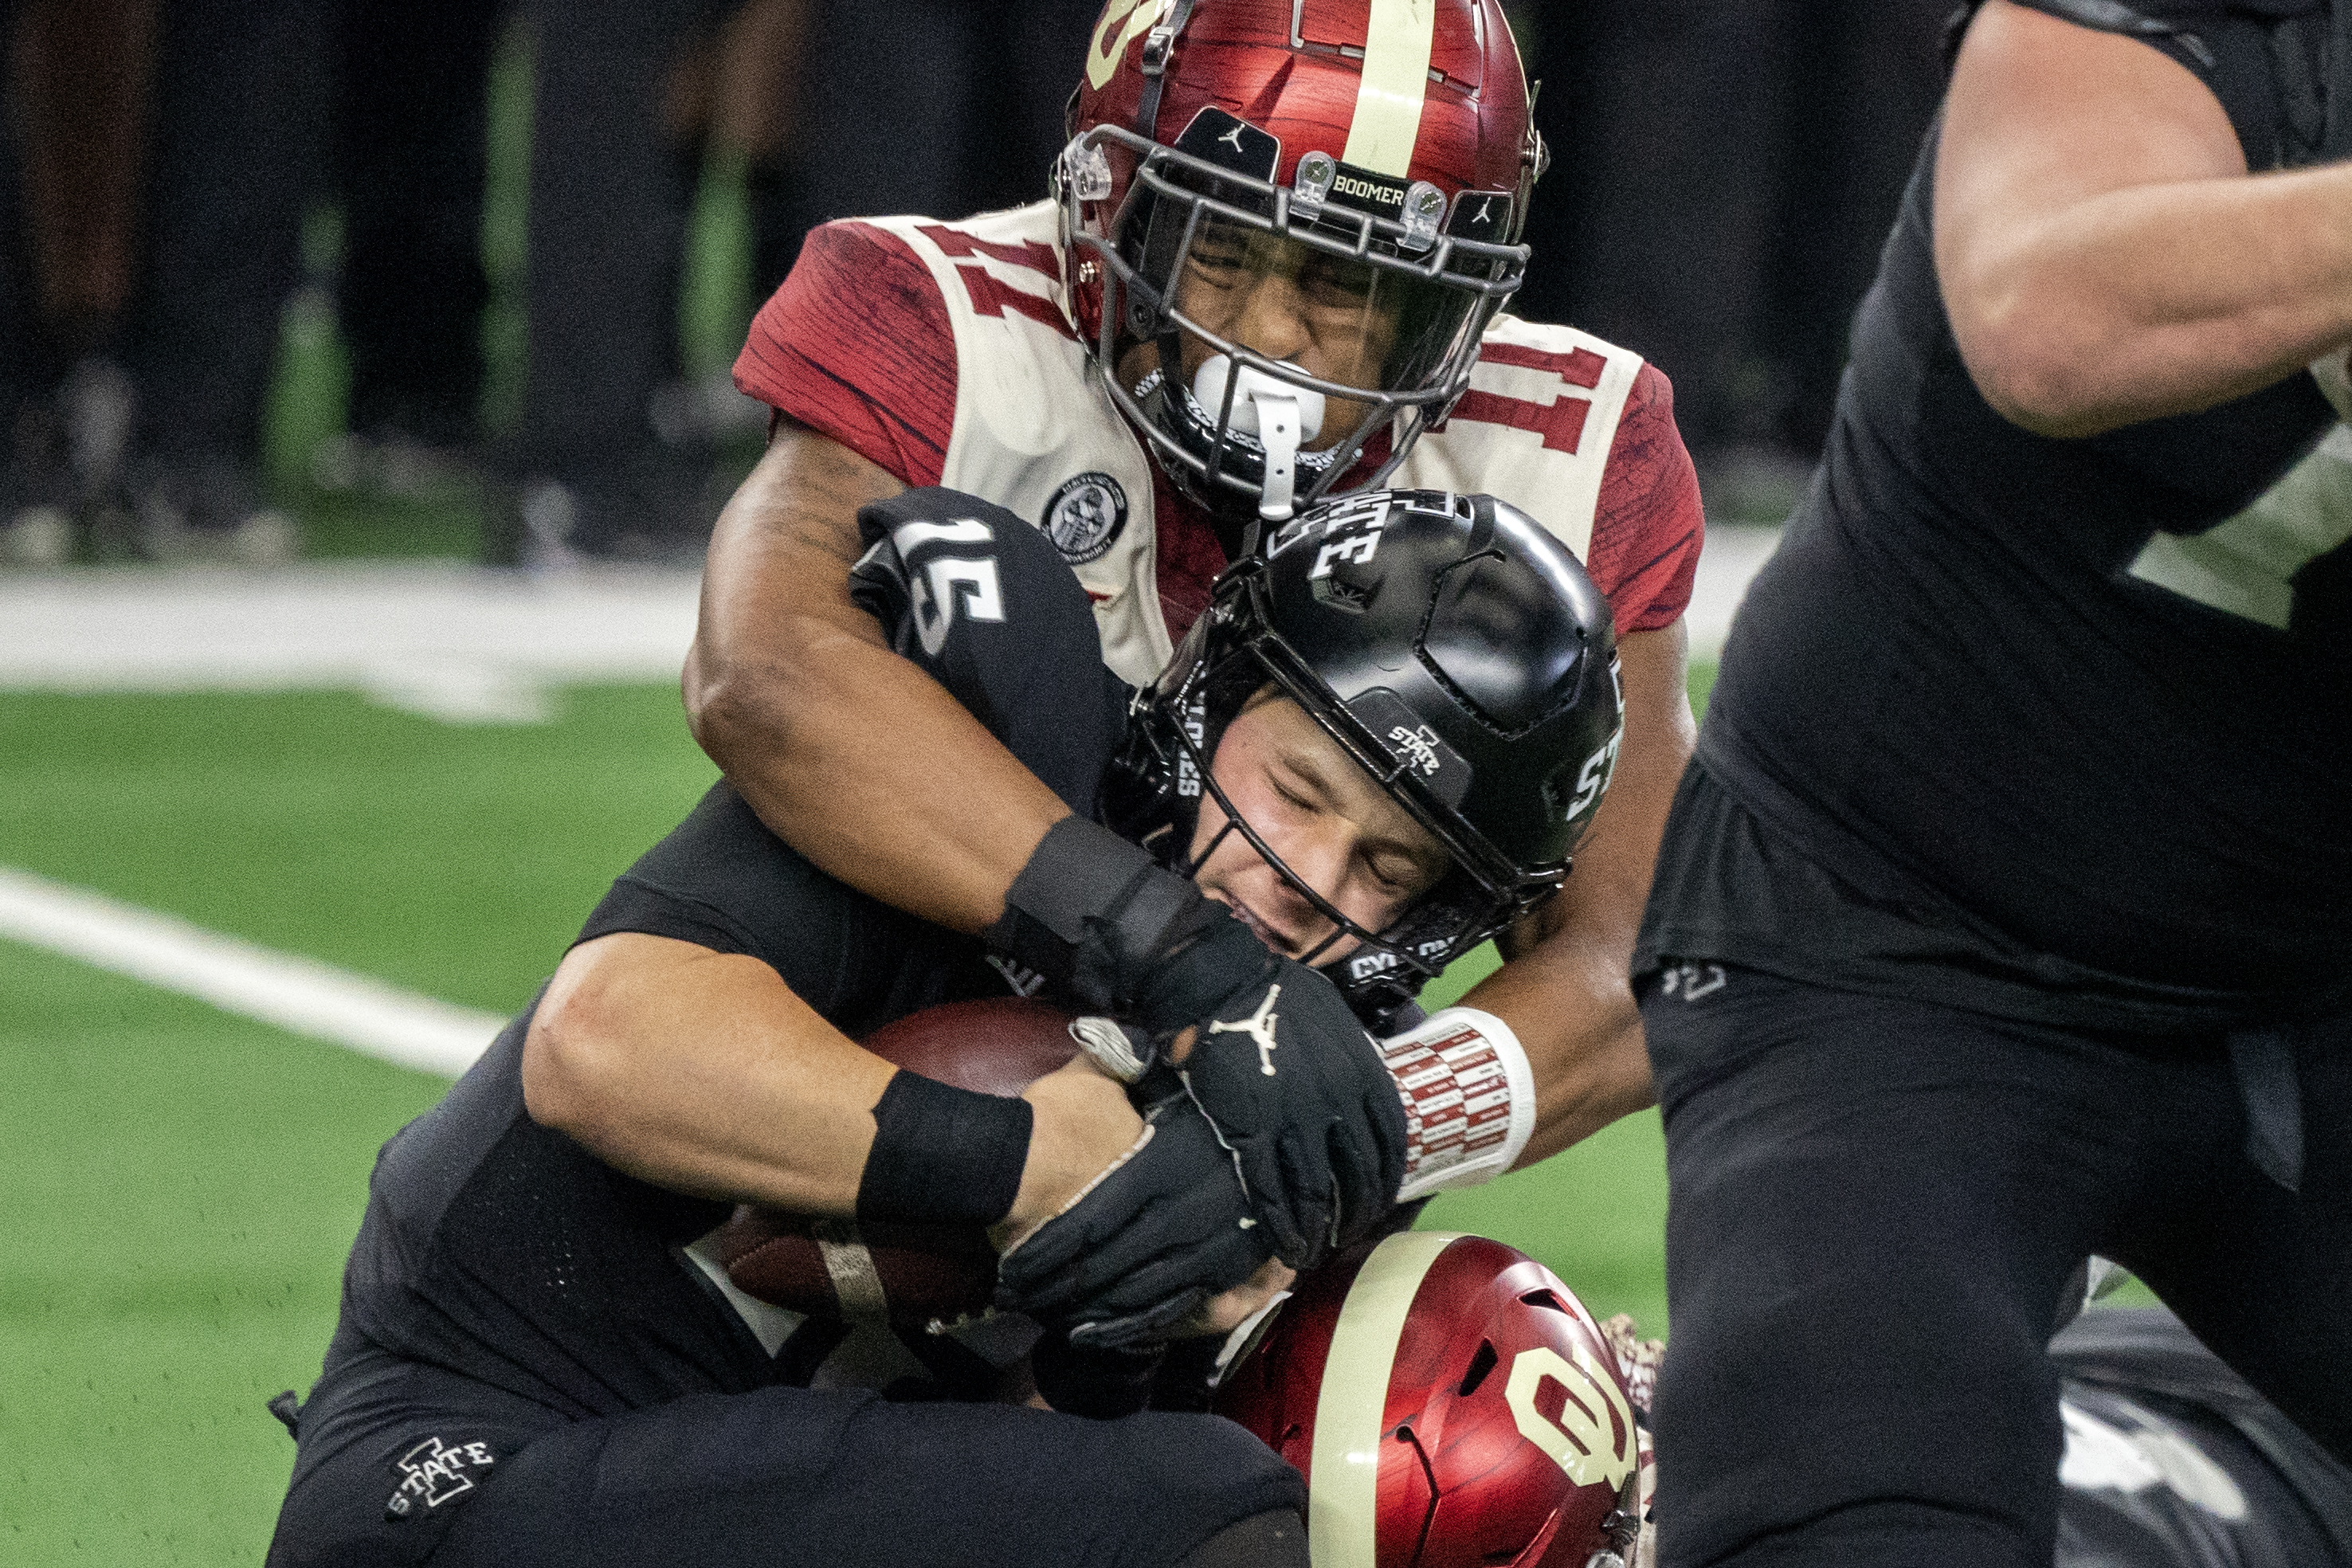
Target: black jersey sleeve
pixel 2268 62
pixel 986 606
pixel 721 880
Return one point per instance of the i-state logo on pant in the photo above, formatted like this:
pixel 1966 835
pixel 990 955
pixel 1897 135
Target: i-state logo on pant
pixel 433 1472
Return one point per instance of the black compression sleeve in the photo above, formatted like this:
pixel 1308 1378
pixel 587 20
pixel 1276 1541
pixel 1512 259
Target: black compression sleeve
pixel 943 1155
pixel 1100 921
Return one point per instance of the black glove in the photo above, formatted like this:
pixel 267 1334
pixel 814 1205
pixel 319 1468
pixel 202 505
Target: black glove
pixel 1294 1086
pixel 1146 1247
pixel 1100 1384
pixel 1298 1091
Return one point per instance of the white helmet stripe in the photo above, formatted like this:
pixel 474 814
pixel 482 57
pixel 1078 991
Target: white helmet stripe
pixel 1395 84
pixel 1343 1494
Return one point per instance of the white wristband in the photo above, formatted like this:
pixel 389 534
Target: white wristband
pixel 1469 1100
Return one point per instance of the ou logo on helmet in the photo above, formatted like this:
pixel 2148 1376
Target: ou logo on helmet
pixel 1593 1439
pixel 1103 54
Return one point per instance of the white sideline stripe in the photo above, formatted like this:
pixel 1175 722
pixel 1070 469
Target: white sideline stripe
pixel 456 634
pixel 1735 553
pixel 297 995
pixel 461 644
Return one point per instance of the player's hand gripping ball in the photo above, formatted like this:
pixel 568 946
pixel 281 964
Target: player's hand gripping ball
pixel 1135 1257
pixel 904 1273
pixel 1291 1082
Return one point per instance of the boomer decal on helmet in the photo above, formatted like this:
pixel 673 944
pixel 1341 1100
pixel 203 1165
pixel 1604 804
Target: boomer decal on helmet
pixel 1457 653
pixel 1286 223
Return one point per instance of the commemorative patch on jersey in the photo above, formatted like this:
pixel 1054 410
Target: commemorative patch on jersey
pixel 434 1472
pixel 1085 516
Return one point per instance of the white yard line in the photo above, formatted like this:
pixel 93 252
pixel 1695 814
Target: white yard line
pixel 455 642
pixel 297 995
pixel 1735 553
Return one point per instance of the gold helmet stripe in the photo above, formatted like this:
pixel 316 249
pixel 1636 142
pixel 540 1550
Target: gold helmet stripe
pixel 1395 84
pixel 1352 1408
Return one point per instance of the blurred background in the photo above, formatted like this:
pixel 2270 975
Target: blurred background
pixel 286 279
pixel 364 409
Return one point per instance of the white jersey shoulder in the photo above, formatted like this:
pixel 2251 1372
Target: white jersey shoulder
pixel 1035 432
pixel 1534 429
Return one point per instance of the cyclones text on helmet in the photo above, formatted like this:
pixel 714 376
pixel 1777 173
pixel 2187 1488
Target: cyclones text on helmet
pixel 1449 1400
pixel 1456 652
pixel 1311 208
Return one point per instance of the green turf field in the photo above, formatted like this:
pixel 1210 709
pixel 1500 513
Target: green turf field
pixel 178 1186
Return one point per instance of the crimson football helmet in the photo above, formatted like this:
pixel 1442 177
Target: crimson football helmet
pixel 1450 1403
pixel 1312 208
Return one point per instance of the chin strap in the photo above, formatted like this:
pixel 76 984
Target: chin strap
pixel 1281 417
pixel 1278 431
pixel 1469 1100
pixel 1158 45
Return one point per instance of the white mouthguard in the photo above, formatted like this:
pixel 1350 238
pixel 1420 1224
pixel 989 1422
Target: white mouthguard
pixel 1281 415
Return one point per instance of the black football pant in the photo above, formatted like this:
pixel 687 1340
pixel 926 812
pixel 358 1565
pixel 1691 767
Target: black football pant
pixel 1875 1205
pixel 237 153
pixel 779 1477
pixel 411 149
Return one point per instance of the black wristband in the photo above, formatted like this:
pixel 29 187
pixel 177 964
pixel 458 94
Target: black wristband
pixel 943 1154
pixel 1094 914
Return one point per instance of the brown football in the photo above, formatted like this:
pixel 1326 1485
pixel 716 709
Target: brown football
pixel 909 1273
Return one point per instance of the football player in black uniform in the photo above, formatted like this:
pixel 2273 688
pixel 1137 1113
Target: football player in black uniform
pixel 2171 1461
pixel 2001 917
pixel 1377 748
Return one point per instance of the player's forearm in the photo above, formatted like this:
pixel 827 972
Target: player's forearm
pixel 1574 1016
pixel 2161 299
pixel 870 769
pixel 847 752
pixel 702 1073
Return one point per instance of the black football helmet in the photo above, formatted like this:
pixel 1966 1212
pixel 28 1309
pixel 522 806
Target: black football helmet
pixel 1457 651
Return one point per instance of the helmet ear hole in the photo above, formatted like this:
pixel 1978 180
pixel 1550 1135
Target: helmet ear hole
pixel 1481 1365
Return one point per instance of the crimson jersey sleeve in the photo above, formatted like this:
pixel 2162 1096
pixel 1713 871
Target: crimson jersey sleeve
pixel 856 345
pixel 1648 526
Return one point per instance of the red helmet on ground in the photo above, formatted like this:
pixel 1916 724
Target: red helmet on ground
pixel 1451 1403
pixel 1358 170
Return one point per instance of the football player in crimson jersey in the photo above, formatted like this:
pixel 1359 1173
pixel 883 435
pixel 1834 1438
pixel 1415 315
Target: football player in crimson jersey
pixel 1273 267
